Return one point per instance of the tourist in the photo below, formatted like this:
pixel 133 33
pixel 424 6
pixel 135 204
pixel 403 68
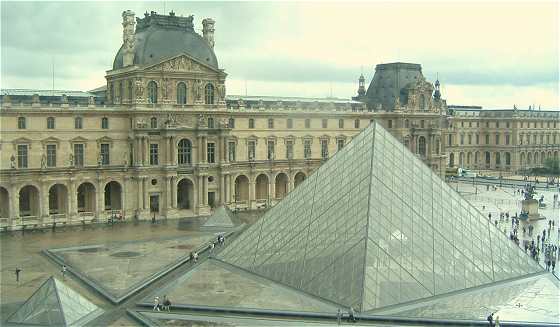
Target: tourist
pixel 18 271
pixel 195 256
pixel 156 304
pixel 351 315
pixel 166 304
pixel 553 263
pixel 210 249
pixel 497 323
pixel 490 319
pixel 339 316
pixel 63 271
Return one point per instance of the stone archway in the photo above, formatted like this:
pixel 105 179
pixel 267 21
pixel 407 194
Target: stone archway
pixel 281 186
pixel 261 187
pixel 299 178
pixel 29 203
pixel 113 196
pixel 241 188
pixel 58 199
pixel 185 194
pixel 5 200
pixel 86 197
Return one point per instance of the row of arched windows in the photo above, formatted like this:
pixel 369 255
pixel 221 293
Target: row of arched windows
pixel 181 93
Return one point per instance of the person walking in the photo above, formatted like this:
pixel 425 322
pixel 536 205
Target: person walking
pixel 156 304
pixel 490 319
pixel 497 322
pixel 211 250
pixel 18 271
pixel 351 315
pixel 339 316
pixel 63 272
pixel 166 304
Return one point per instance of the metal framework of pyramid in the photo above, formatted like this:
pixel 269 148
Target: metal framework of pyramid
pixel 375 227
pixel 55 304
pixel 220 218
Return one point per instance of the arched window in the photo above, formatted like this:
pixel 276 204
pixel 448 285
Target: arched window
pixel 181 93
pixel 130 91
pixel 121 92
pixel 209 94
pixel 422 102
pixel 50 123
pixel 422 145
pixel 105 123
pixel 184 152
pixel 153 122
pixel 152 92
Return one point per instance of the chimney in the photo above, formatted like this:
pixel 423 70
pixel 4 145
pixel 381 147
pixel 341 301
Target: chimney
pixel 128 37
pixel 208 31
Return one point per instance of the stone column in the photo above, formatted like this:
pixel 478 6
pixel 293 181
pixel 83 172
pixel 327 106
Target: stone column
pixel 140 194
pixel 123 196
pixel 290 184
pixel 173 192
pixel 272 190
pixel 146 202
pixel 72 198
pixel 43 201
pixel 100 199
pixel 252 194
pixel 167 192
pixel 14 203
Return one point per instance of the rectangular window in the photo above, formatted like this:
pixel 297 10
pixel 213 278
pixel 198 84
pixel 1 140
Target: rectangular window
pixel 289 149
pixel 339 144
pixel 462 138
pixel 270 123
pixel 487 139
pixel 231 123
pixel 22 155
pixel 449 139
pixel 507 124
pixel 211 152
pixel 51 155
pixel 357 123
pixel 497 139
pixel 324 123
pixel 341 123
pixel 507 139
pixel 324 149
pixel 470 139
pixel 105 123
pixel 104 154
pixel 251 147
pixel 270 150
pixel 542 139
pixel 497 124
pixel 477 139
pixel 462 124
pixel 307 149
pixel 390 123
pixel 231 151
pixel 289 123
pixel 78 155
pixel 308 123
pixel 422 124
pixel 251 123
pixel 21 123
pixel 154 154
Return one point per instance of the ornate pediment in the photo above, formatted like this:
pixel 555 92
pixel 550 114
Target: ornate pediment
pixel 182 63
pixel 79 139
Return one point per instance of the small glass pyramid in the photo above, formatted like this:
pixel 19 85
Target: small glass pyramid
pixel 221 218
pixel 375 227
pixel 55 304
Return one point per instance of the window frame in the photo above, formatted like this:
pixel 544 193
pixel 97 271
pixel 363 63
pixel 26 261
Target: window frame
pixel 104 123
pixel 78 123
pixel 22 122
pixel 105 154
pixel 211 152
pixel 181 93
pixel 154 154
pixel 152 94
pixel 51 123
pixel 51 155
pixel 78 150
pixel 22 156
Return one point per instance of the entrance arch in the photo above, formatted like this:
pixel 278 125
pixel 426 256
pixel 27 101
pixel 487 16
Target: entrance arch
pixel 58 199
pixel 86 197
pixel 113 196
pixel 261 187
pixel 299 178
pixel 5 200
pixel 29 205
pixel 241 188
pixel 185 194
pixel 281 188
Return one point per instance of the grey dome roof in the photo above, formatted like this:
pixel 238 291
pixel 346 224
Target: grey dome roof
pixel 155 43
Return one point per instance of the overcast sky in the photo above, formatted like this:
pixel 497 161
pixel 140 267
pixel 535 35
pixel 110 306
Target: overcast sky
pixel 490 54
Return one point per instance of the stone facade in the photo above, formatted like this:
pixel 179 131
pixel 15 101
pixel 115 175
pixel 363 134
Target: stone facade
pixel 503 140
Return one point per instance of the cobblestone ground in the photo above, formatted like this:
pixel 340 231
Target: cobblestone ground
pixel 506 200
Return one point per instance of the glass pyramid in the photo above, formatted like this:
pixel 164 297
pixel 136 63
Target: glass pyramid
pixel 220 218
pixel 54 304
pixel 374 227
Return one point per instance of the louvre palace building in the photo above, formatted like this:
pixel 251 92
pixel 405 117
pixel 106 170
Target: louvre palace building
pixel 163 138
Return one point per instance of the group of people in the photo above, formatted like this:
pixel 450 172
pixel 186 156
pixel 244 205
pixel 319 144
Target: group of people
pixel 164 305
